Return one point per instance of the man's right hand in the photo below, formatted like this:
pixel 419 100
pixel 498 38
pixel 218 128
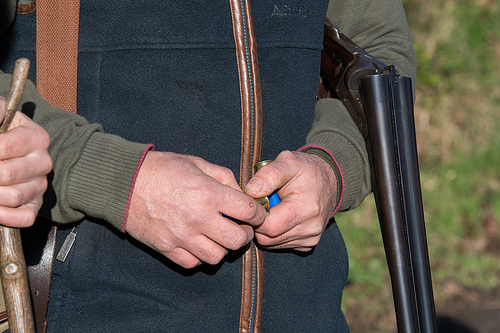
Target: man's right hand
pixel 180 207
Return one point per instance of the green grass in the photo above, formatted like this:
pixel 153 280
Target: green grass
pixel 462 201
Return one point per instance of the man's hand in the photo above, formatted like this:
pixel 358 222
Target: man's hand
pixel 308 190
pixel 180 207
pixel 24 165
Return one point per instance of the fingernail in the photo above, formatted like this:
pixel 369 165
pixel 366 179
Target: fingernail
pixel 255 185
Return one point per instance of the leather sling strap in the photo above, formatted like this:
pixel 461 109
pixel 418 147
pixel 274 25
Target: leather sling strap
pixel 56 69
pixel 251 143
pixel 41 239
pixel 57 51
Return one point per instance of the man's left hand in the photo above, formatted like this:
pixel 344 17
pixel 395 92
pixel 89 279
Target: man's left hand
pixel 308 192
pixel 24 165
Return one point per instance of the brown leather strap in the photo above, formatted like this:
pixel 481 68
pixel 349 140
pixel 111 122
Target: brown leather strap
pixel 42 241
pixel 251 143
pixel 57 51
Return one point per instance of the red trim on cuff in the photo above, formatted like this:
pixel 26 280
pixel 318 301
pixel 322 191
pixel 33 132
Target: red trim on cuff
pixel 127 206
pixel 338 166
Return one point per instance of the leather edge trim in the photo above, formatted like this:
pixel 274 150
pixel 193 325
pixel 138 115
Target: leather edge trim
pixel 246 291
pixel 246 135
pixel 259 255
pixel 257 94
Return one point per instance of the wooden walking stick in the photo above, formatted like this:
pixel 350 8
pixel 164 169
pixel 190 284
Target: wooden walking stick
pixel 12 263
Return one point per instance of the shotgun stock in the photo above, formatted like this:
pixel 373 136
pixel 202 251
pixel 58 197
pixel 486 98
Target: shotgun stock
pixel 380 102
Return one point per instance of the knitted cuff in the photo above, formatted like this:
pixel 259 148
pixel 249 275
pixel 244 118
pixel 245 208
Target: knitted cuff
pixel 100 183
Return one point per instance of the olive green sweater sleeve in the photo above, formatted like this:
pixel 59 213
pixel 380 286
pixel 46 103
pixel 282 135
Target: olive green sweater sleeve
pixel 81 183
pixel 380 28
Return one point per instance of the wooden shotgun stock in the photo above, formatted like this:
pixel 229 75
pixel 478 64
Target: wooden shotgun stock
pixel 12 263
pixel 380 102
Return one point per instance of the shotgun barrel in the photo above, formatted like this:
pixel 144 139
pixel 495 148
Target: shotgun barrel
pixel 401 92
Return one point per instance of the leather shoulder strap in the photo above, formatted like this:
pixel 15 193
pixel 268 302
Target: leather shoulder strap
pixel 57 24
pixel 40 240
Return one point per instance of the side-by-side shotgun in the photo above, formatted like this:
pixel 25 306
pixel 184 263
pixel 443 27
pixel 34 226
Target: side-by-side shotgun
pixel 380 101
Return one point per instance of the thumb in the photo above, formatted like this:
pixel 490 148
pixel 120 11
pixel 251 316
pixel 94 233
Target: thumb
pixel 269 178
pixel 255 185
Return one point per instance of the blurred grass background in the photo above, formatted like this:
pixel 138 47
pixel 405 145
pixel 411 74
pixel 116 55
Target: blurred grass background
pixel 457 43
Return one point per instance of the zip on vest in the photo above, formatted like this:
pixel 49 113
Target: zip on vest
pixel 251 143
